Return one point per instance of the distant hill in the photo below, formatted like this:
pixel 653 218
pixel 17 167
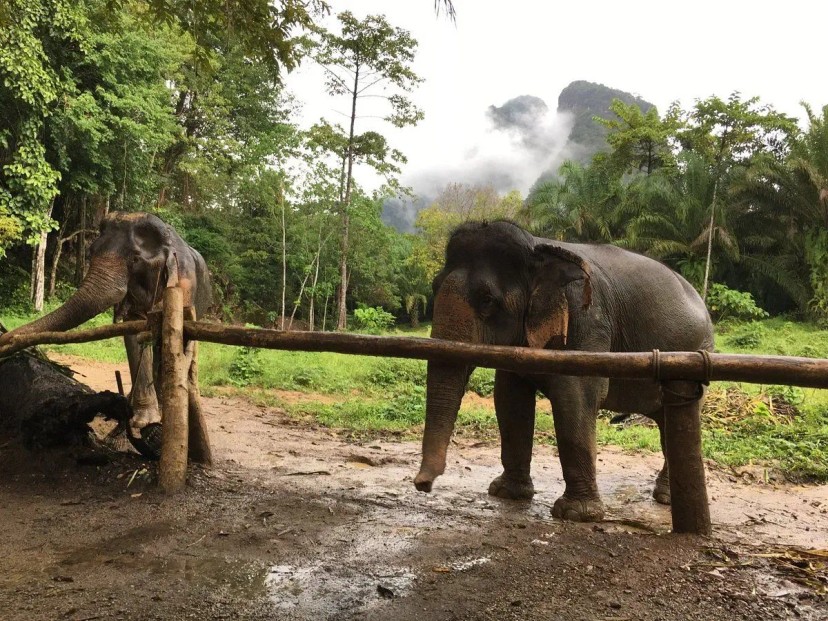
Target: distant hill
pixel 587 99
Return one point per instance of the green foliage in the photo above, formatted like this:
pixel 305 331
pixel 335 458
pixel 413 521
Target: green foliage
pixel 372 319
pixel 748 336
pixel 482 382
pixel 725 303
pixel 246 367
pixel 388 372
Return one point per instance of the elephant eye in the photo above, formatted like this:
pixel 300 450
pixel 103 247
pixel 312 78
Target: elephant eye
pixel 486 304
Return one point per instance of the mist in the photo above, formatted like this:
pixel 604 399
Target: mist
pixel 508 147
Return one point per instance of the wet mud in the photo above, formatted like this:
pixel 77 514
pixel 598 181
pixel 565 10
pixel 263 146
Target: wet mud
pixel 300 523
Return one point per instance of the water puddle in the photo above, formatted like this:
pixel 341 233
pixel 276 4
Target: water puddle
pixel 322 589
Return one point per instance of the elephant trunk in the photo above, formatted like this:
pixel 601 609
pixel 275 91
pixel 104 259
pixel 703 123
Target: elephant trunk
pixel 104 286
pixel 454 320
pixel 445 386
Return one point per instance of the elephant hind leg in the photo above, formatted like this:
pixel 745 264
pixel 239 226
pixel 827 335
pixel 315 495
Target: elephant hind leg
pixel 661 491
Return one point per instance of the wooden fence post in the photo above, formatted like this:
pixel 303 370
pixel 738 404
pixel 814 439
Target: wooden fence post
pixel 682 431
pixel 172 469
pixel 199 449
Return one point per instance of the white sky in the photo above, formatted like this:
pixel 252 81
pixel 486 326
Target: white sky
pixel 660 50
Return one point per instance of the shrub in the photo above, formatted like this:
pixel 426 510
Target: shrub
pixel 372 320
pixel 748 336
pixel 726 303
pixel 246 367
pixel 482 382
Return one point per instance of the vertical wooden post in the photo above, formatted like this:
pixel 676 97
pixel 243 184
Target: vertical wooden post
pixel 682 430
pixel 172 470
pixel 199 449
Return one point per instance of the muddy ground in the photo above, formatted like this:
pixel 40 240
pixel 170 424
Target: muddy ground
pixel 300 523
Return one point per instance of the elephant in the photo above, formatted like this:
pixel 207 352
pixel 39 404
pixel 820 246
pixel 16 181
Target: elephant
pixel 129 263
pixel 502 286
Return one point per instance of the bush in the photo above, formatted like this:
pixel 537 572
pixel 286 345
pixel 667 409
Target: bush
pixel 246 367
pixel 748 336
pixel 373 320
pixel 394 371
pixel 725 303
pixel 482 382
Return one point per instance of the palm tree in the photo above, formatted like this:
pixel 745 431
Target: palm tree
pixel 792 197
pixel 580 204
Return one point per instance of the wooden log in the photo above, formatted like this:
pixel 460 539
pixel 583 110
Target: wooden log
pixel 172 469
pixel 200 450
pixel 808 372
pixel 682 446
pixel 44 406
pixel 18 342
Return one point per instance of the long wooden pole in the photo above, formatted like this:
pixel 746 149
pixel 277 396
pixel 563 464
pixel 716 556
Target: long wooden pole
pixel 199 448
pixel 664 366
pixel 13 342
pixel 682 446
pixel 172 469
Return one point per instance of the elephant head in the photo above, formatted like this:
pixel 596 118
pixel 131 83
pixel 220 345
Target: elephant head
pixel 499 286
pixel 125 270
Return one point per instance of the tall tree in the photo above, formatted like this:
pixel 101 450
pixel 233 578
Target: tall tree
pixel 641 142
pixel 370 58
pixel 728 133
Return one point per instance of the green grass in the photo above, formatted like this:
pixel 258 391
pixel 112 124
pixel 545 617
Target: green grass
pixel 371 396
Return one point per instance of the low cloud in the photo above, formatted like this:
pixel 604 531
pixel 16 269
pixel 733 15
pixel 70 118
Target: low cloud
pixel 514 144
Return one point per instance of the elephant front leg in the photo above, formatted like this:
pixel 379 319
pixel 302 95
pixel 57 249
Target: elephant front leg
pixel 142 397
pixel 574 409
pixel 515 409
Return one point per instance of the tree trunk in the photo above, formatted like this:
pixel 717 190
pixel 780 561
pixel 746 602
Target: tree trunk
pixel 39 276
pixel 342 319
pixel 710 240
pixel 45 407
pixel 80 249
pixel 325 312
pixel 284 265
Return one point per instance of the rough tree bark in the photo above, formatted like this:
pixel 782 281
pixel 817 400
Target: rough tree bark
pixel 41 403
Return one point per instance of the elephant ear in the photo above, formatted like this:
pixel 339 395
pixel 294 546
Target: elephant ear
pixel 547 316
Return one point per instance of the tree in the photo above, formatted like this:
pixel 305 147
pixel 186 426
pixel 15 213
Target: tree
pixel 368 56
pixel 641 142
pixel 579 205
pixel 727 133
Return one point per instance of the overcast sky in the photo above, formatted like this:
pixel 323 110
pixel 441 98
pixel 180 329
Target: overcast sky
pixel 660 50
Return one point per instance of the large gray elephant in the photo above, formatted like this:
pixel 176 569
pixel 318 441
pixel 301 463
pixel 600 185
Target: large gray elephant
pixel 502 286
pixel 128 270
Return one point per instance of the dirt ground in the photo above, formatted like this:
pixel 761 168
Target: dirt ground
pixel 301 523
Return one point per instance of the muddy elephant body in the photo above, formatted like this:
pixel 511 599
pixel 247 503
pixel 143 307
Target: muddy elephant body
pixel 500 285
pixel 129 265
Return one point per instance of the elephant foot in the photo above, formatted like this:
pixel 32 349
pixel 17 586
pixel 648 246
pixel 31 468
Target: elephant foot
pixel 661 492
pixel 578 510
pixel 512 488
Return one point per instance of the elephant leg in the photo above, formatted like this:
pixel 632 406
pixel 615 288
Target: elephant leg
pixel 661 491
pixel 142 396
pixel 515 409
pixel 575 403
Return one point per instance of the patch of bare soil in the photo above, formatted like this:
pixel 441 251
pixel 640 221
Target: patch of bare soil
pixel 300 523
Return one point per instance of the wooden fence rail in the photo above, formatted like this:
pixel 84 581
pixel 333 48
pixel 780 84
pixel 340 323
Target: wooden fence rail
pixel 679 372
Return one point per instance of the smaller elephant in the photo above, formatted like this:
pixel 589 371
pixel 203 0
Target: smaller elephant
pixel 128 269
pixel 502 286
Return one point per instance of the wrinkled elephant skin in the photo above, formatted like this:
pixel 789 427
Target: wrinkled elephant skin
pixel 502 286
pixel 129 266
